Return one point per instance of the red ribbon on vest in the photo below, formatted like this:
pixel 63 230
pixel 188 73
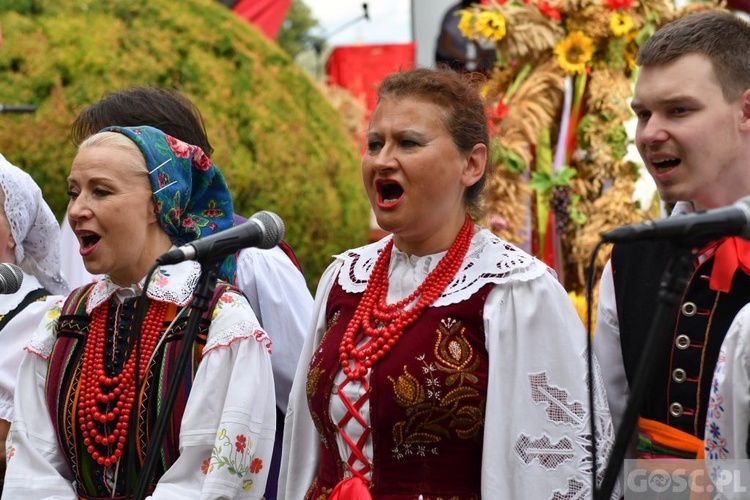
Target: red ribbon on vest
pixel 732 253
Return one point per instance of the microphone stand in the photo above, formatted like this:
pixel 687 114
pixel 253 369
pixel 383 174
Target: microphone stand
pixel 318 44
pixel 671 288
pixel 17 108
pixel 202 295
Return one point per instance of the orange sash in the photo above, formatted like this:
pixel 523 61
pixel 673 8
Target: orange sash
pixel 669 437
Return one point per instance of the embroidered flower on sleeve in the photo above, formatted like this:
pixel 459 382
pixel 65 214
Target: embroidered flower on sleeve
pixel 234 459
pixel 54 313
pixel 52 316
pixel 715 404
pixel 716 445
pixel 241 443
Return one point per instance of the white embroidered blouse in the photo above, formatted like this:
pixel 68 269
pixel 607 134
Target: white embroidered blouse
pixel 728 414
pixel 227 433
pixel 15 335
pixel 537 420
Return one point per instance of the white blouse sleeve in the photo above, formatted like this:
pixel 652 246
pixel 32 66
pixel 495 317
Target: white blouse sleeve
pixel 729 402
pixel 608 349
pixel 227 432
pixel 299 457
pixel 36 467
pixel 13 337
pixel 728 412
pixel 280 299
pixel 537 423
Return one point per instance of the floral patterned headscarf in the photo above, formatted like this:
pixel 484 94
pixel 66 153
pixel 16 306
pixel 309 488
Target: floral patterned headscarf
pixel 192 199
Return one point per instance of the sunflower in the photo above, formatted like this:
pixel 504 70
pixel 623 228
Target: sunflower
pixel 620 24
pixel 491 25
pixel 465 24
pixel 574 52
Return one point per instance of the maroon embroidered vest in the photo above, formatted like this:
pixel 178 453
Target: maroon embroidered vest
pixel 427 403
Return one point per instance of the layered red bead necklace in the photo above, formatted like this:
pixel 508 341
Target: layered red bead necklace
pixel 105 403
pixel 393 319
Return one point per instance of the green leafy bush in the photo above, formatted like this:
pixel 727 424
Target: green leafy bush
pixel 279 142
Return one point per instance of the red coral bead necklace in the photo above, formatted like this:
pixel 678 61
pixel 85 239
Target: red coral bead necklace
pixel 105 403
pixel 393 319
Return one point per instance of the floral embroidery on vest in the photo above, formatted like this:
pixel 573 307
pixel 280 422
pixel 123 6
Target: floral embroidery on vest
pixel 317 371
pixel 433 415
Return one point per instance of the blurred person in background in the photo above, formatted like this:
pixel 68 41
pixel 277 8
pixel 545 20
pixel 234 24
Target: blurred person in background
pixel 456 51
pixel 30 239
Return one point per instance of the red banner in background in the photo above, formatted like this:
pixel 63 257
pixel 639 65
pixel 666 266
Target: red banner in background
pixel 360 68
pixel 266 15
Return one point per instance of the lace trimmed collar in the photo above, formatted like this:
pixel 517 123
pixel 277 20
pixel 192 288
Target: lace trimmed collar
pixel 168 283
pixel 489 260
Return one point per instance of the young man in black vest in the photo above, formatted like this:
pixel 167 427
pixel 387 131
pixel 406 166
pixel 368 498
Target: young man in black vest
pixel 692 100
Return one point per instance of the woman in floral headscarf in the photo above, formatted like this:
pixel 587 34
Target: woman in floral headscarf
pixel 134 193
pixel 29 238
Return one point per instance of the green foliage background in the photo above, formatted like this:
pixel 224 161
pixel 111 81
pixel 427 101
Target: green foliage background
pixel 278 141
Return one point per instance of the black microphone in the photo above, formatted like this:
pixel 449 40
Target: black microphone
pixel 17 108
pixel 11 278
pixel 698 228
pixel 262 230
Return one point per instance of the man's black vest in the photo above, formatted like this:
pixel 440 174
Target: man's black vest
pixel 678 395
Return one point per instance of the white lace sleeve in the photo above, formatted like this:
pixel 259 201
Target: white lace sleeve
pixel 537 425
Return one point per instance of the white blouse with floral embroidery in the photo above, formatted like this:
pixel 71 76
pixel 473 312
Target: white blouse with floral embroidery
pixel 537 420
pixel 728 413
pixel 227 433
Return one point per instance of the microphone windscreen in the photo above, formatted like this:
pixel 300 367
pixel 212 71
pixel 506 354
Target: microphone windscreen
pixel 273 229
pixel 11 278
